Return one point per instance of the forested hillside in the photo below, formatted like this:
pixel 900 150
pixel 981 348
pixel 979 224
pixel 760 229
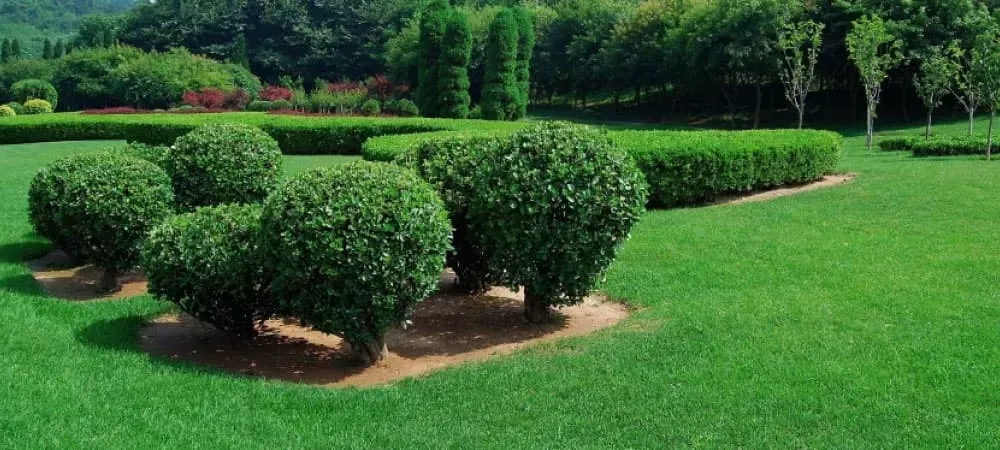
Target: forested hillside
pixel 56 15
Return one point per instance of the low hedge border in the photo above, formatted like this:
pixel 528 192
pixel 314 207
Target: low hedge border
pixel 295 135
pixel 389 148
pixel 898 143
pixel 949 146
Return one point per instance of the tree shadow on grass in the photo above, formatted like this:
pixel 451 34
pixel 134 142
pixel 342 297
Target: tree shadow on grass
pixel 17 252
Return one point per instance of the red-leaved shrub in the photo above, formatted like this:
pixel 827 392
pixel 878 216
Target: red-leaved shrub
pixel 275 93
pixel 383 88
pixel 236 99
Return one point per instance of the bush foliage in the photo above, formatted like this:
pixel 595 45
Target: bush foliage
pixel 553 205
pixel 156 154
pixel 219 164
pixel 37 106
pixel 30 89
pixel 209 264
pixel 949 146
pixel 7 111
pixel 373 237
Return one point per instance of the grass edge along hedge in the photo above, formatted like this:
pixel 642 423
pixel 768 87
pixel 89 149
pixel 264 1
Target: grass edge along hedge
pixel 295 135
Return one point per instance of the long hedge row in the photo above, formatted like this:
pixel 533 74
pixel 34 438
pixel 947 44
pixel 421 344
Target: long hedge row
pixel 295 135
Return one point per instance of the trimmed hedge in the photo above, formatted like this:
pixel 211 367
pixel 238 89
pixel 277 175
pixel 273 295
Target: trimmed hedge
pixel 295 135
pixel 156 154
pixel 949 146
pixel 898 143
pixel 690 167
pixel 391 148
pixel 209 264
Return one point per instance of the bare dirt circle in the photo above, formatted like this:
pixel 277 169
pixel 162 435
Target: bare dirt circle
pixel 60 277
pixel 447 329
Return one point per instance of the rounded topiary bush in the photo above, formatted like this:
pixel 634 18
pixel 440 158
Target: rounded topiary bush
pixel 7 111
pixel 406 108
pixel 260 106
pixel 208 263
pixel 278 105
pixel 353 248
pixel 553 205
pixel 219 164
pixel 450 166
pixel 99 207
pixel 371 107
pixel 17 107
pixel 30 89
pixel 37 106
pixel 156 154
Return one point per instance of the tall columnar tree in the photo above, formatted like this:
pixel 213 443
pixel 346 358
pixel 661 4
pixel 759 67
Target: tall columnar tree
pixel 432 29
pixel 937 70
pixel 800 44
pixel 47 49
pixel 874 51
pixel 525 48
pixel 453 71
pixel 238 54
pixel 986 75
pixel 59 49
pixel 15 49
pixel 500 88
pixel 5 51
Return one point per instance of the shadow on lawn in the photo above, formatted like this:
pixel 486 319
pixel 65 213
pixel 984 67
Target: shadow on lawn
pixel 18 252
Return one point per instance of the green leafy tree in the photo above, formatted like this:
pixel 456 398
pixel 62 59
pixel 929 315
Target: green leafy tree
pixel 47 49
pixel 500 87
pixel 239 55
pixel 800 44
pixel 5 51
pixel 59 50
pixel 432 29
pixel 453 70
pixel 15 49
pixel 874 51
pixel 525 49
pixel 937 71
pixel 986 75
pixel 97 30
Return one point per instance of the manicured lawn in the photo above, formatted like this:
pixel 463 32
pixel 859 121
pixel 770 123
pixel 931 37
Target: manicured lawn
pixel 859 316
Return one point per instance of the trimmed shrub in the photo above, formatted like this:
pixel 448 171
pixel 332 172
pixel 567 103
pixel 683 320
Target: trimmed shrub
pixel 219 164
pixel 30 89
pixel 275 93
pixel 691 167
pixel 37 106
pixel 98 207
pixel 406 108
pixel 553 205
pixel 452 94
pixel 450 165
pixel 7 111
pixel 898 143
pixel 208 263
pixel 354 248
pixel 156 154
pixel 501 92
pixel 282 104
pixel 392 148
pixel 261 106
pixel 371 107
pixel 17 107
pixel 949 146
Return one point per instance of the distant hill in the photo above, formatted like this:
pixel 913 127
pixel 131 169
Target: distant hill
pixel 56 15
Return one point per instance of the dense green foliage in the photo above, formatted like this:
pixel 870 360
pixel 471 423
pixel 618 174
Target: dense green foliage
pixel 354 248
pixel 450 164
pixel 452 93
pixel 99 207
pixel 689 167
pixel 208 263
pixel 156 154
pixel 432 29
pixel 949 145
pixel 500 88
pixel 897 143
pixel 30 89
pixel 59 15
pixel 23 69
pixel 554 204
pixel 525 50
pixel 220 164
pixel 7 111
pixel 159 80
pixel 37 106
pixel 393 147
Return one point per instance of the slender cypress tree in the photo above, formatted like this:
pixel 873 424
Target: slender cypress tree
pixel 5 51
pixel 15 49
pixel 108 37
pixel 432 26
pixel 453 73
pixel 238 55
pixel 500 89
pixel 525 48
pixel 47 49
pixel 59 50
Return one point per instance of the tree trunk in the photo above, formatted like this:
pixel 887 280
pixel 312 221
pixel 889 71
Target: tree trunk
pixel 869 124
pixel 972 121
pixel 927 129
pixel 109 281
pixel 756 107
pixel 536 310
pixel 989 135
pixel 373 352
pixel 802 112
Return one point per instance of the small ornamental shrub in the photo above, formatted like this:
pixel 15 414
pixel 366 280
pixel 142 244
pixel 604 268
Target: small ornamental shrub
pixel 553 205
pixel 219 164
pixel 37 106
pixel 371 107
pixel 450 165
pixel 17 107
pixel 156 154
pixel 260 106
pixel 354 248
pixel 949 146
pixel 275 93
pixel 898 143
pixel 7 111
pixel 406 108
pixel 236 100
pixel 99 208
pixel 209 98
pixel 30 89
pixel 282 104
pixel 208 263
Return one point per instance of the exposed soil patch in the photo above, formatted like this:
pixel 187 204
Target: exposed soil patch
pixel 59 277
pixel 771 194
pixel 446 329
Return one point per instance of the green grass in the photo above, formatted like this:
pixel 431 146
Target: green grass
pixel 858 316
